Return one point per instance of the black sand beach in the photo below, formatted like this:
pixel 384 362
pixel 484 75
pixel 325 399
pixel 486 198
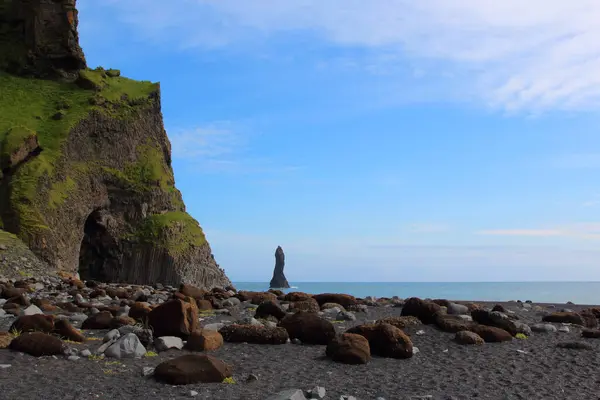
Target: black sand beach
pixel 532 368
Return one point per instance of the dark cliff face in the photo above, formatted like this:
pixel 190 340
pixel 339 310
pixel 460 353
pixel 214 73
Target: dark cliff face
pixel 86 178
pixel 40 38
pixel 279 281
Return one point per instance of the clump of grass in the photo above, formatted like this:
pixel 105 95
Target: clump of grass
pixel 206 313
pixel 96 357
pixel 71 341
pixel 175 231
pixel 15 333
pixel 108 371
pixel 93 338
pixel 229 380
pixel 150 354
pixel 26 274
pixel 521 336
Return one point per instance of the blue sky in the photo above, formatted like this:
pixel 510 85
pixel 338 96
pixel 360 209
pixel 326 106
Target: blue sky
pixel 388 140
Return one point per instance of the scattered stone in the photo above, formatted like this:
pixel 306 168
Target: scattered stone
pixel 317 392
pixel 85 353
pixel 147 371
pixel 564 329
pixel 38 344
pixel 308 327
pixel 543 328
pixel 127 346
pixel 345 316
pixel 466 337
pixel 204 340
pixel 591 333
pixel 251 378
pixel 165 343
pixel 425 311
pixel 291 394
pixel 32 310
pixel 174 318
pixel 385 340
pixel 191 369
pixel 349 348
pixel 256 334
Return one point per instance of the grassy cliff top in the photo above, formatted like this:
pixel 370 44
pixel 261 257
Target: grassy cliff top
pixel 50 109
pixel 175 231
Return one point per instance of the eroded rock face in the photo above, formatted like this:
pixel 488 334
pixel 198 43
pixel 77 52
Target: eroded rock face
pixel 279 281
pixel 42 35
pixel 88 185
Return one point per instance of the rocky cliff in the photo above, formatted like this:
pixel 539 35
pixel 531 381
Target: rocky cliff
pixel 279 281
pixel 86 176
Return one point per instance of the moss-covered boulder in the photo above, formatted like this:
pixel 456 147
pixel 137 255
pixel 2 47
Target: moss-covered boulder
pixel 91 191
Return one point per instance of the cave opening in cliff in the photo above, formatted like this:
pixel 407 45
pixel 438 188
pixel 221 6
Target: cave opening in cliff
pixel 98 250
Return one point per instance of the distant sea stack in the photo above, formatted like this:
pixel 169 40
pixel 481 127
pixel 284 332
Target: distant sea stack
pixel 279 280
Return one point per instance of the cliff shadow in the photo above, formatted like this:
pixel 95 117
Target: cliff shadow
pixel 99 253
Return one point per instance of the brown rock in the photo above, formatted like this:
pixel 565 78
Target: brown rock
pixel 400 322
pixel 204 340
pixel 385 340
pixel 33 323
pixel 44 305
pixel 501 321
pixel 20 300
pixel 591 333
pixel 442 302
pixel 139 311
pixel 204 305
pixel 101 320
pixel 310 328
pixel 327 306
pixel 269 309
pixel 467 337
pixel 5 339
pixel 259 298
pixel 452 323
pixel 499 307
pixel 97 293
pixel 491 333
pixel 567 317
pixel 119 293
pixel 308 305
pixel 255 334
pixel 191 291
pixel 37 344
pixel 120 321
pixel 191 369
pixel 64 329
pixel 174 318
pixel 10 292
pixel 349 348
pixel 423 310
pixel 344 299
pixel 297 296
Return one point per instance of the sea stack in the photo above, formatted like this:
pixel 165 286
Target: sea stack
pixel 279 280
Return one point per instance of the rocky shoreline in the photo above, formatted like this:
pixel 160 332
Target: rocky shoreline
pixel 64 338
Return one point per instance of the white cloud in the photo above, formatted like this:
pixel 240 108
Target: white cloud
pixel 586 230
pixel 514 55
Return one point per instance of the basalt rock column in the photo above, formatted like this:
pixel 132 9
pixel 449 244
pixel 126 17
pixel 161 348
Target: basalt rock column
pixel 279 280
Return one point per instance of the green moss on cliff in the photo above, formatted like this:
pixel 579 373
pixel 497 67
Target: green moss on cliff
pixel 13 139
pixel 147 173
pixel 59 191
pixel 175 231
pixel 52 109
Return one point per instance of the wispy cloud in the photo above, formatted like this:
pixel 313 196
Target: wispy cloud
pixel 535 55
pixel 222 147
pixel 588 230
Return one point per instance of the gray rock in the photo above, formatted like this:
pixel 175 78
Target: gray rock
pixel 165 343
pixel 78 317
pixel 32 310
pixel 296 341
pixel 345 316
pixel 222 311
pixel 251 378
pixel 147 371
pixel 214 327
pixel 231 302
pixel 193 393
pixel 127 346
pixel 4 366
pixel 564 329
pixel 318 392
pixel 292 394
pixel 270 324
pixel 331 312
pixel 73 358
pixel 346 397
pixel 249 321
pixel 467 318
pixel 522 328
pixel 543 328
pixel 85 353
pixel 79 298
pixel 458 309
pixel 111 335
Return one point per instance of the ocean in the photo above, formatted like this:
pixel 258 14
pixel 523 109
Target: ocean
pixel 538 292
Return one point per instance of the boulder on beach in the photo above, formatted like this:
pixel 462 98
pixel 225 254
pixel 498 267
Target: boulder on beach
pixel 467 337
pixel 349 348
pixel 101 320
pixel 204 340
pixel 571 318
pixel 496 319
pixel 310 328
pixel 385 340
pixel 269 308
pixel 452 323
pixel 308 305
pixel 491 333
pixel 33 323
pixel 174 318
pixel 256 334
pixel 400 322
pixel 297 296
pixel 64 329
pixel 591 333
pixel 345 300
pixel 38 344
pixel 279 281
pixel 193 368
pixel 423 310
